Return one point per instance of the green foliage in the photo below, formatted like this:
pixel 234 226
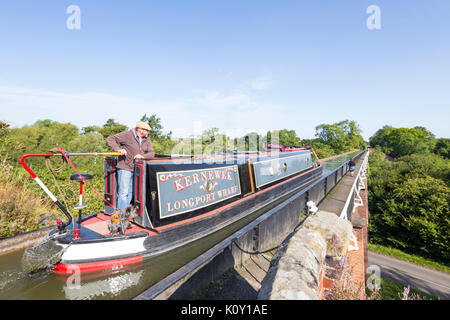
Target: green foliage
pixel 391 290
pixel 162 143
pixel 284 137
pixel 332 135
pixel 89 129
pixel 341 137
pixel 20 208
pixel 322 149
pixel 3 130
pixel 156 134
pixel 90 142
pixel 409 203
pixel 110 127
pixel 8 149
pixel 442 147
pixel 399 142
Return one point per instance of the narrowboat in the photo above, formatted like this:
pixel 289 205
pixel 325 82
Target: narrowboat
pixel 176 200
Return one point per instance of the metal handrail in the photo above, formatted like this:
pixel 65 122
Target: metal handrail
pixel 358 184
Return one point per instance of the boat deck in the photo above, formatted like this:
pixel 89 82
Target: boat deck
pixel 99 224
pixel 96 227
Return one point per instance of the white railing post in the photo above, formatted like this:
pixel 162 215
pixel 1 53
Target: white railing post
pixel 357 186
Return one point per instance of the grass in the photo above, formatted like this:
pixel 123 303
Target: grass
pixel 391 290
pixel 344 287
pixel 21 210
pixel 409 257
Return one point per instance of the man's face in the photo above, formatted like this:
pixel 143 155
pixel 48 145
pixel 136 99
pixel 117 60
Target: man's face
pixel 142 132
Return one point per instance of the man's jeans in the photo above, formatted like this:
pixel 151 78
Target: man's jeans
pixel 125 188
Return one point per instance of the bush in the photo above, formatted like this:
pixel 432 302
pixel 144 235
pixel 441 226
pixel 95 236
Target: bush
pixel 20 209
pixel 409 204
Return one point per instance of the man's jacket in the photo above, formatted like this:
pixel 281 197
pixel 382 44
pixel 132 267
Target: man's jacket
pixel 129 142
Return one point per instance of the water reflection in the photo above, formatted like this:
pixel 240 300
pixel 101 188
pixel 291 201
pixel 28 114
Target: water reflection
pixel 330 165
pixel 103 288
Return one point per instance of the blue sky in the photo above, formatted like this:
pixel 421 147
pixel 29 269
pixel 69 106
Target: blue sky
pixel 240 66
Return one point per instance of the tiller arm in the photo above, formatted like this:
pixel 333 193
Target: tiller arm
pixel 61 225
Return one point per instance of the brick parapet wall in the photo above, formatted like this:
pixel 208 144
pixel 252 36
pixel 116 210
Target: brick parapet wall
pixel 358 259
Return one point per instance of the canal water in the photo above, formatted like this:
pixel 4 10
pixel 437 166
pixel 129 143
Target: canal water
pixel 125 283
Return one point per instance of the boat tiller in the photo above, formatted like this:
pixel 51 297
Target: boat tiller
pixel 61 225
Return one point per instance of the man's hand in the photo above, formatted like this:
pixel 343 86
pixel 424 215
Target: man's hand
pixel 138 156
pixel 123 152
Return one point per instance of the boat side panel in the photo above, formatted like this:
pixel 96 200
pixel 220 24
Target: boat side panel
pixel 271 170
pixel 168 213
pixel 191 230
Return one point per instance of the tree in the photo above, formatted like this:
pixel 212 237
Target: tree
pixel 214 142
pixel 352 131
pixel 209 135
pixel 332 135
pixel 90 142
pixel 399 142
pixel 9 149
pixel 380 139
pixel 405 141
pixel 289 138
pixel 421 207
pixel 112 127
pixel 252 141
pixel 89 129
pixel 284 137
pixel 46 123
pixel 157 129
pixel 322 149
pixel 409 203
pixel 442 147
pixel 162 143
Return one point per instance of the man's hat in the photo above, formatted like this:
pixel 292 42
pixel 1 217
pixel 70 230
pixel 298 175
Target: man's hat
pixel 143 125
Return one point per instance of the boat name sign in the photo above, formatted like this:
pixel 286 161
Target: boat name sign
pixel 189 190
